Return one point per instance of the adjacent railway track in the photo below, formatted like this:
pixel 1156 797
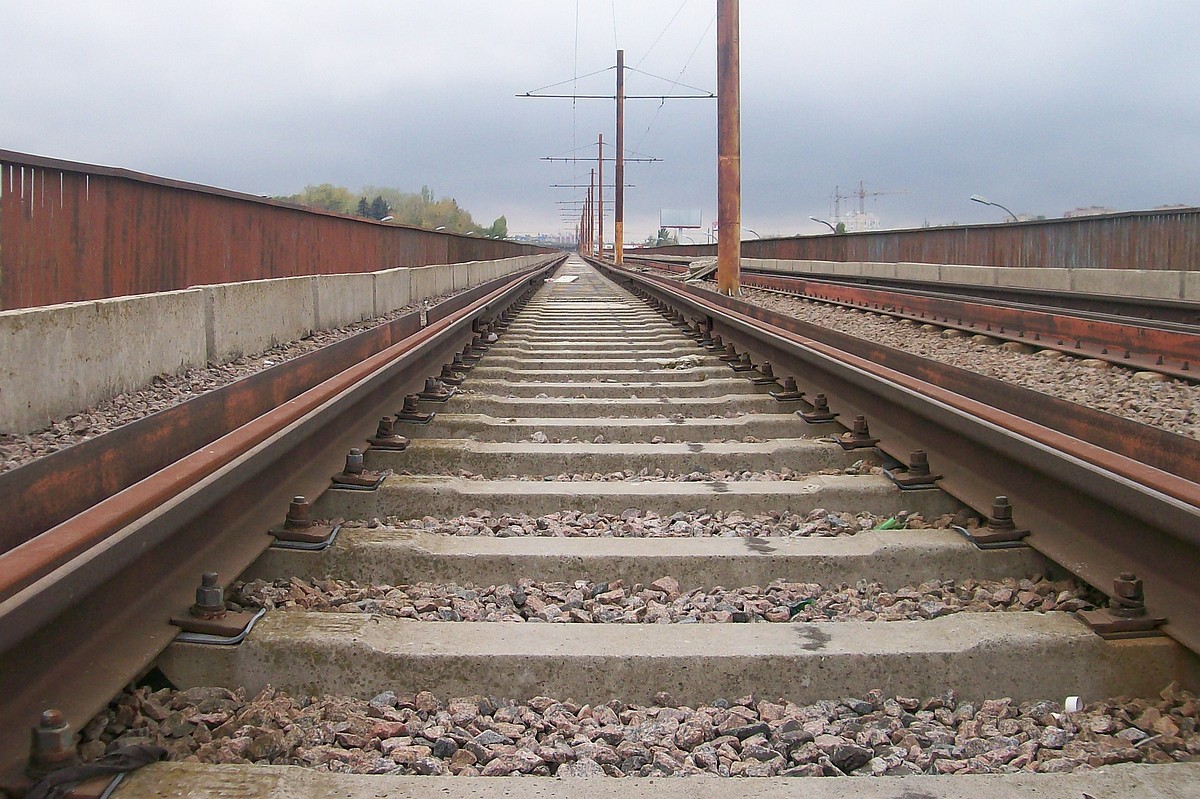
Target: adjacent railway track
pixel 1153 335
pixel 547 576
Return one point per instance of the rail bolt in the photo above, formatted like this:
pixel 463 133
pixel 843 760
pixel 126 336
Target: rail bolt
pixel 918 463
pixel 859 436
pixel 52 745
pixel 210 598
pixel 820 412
pixel 299 515
pixel 1002 515
pixel 1129 597
pixel 387 428
pixel 768 371
pixel 354 462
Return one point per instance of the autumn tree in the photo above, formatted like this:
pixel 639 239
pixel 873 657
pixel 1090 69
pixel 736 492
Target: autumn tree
pixel 420 209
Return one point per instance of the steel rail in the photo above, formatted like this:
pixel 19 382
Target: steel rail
pixel 78 632
pixel 1168 348
pixel 1162 310
pixel 1185 313
pixel 1100 495
pixel 1126 343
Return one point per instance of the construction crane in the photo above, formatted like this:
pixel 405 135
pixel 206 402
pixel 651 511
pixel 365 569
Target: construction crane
pixel 862 194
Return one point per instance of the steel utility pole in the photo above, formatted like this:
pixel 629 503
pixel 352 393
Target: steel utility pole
pixel 619 202
pixel 729 150
pixel 591 206
pixel 600 195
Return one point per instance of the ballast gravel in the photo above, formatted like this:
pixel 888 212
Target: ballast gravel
pixel 662 602
pixel 168 390
pixel 873 735
pixel 1172 405
pixel 633 523
pixel 647 475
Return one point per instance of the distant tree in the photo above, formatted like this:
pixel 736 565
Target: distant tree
pixel 421 209
pixel 379 207
pixel 841 228
pixel 498 230
pixel 325 196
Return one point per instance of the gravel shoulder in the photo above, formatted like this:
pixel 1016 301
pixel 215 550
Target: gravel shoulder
pixel 167 391
pixel 1172 405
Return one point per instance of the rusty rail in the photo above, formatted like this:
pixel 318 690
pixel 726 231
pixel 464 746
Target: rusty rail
pixel 1167 239
pixel 71 231
pixel 1173 352
pixel 1101 495
pixel 94 621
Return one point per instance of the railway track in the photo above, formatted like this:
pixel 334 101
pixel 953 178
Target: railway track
pixel 611 553
pixel 1138 333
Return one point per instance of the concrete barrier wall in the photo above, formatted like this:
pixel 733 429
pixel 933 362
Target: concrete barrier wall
pixel 343 299
pixel 1191 286
pixel 426 282
pixel 393 289
pixel 59 359
pixel 244 318
pixel 1163 284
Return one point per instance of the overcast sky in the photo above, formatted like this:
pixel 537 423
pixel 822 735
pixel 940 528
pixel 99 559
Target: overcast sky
pixel 1041 106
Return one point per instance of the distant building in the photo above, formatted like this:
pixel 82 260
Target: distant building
pixel 1091 210
pixel 860 223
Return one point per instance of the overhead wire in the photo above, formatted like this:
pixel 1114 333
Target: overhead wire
pixel 616 40
pixel 662 33
pixel 688 63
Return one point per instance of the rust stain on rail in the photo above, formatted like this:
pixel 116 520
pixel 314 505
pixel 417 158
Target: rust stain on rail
pixel 1168 351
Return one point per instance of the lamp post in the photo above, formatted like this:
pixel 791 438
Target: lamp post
pixel 975 198
pixel 748 230
pixel 832 229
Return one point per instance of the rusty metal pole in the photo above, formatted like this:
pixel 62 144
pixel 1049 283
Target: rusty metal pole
pixel 591 204
pixel 600 196
pixel 729 150
pixel 619 202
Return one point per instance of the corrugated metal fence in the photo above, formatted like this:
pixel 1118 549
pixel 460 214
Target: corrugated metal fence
pixel 1168 239
pixel 72 231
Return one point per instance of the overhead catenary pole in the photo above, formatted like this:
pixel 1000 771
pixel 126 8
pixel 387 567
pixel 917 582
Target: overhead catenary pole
pixel 591 200
pixel 600 195
pixel 729 150
pixel 619 201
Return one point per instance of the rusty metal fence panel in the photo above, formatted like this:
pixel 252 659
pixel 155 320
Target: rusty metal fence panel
pixel 1167 239
pixel 72 231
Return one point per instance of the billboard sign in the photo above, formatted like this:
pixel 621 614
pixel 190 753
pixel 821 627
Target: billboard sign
pixel 688 218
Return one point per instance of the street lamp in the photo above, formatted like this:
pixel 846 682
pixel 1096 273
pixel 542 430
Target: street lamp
pixel 832 229
pixel 748 230
pixel 975 198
